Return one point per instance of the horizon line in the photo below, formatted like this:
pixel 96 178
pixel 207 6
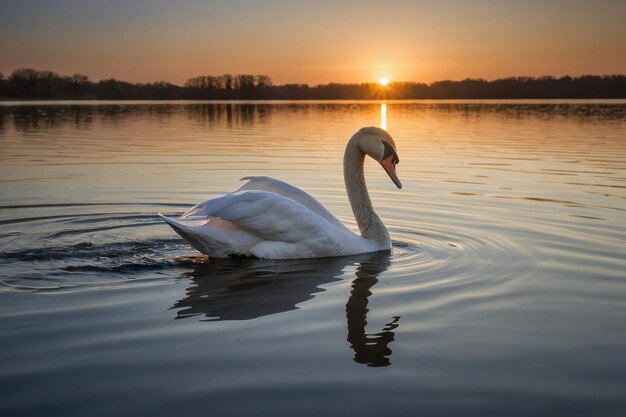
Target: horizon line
pixel 388 85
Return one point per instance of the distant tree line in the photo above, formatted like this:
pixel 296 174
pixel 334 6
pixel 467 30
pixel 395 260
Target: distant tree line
pixel 28 83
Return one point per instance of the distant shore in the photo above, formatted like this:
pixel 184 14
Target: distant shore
pixel 556 100
pixel 31 84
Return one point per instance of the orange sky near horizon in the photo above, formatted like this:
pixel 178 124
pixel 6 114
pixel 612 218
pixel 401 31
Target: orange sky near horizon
pixel 304 42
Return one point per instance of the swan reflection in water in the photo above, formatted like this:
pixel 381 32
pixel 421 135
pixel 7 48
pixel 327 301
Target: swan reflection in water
pixel 369 349
pixel 244 289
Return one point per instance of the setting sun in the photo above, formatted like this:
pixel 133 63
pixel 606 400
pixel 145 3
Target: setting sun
pixel 384 82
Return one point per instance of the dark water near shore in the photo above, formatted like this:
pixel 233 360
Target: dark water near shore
pixel 504 293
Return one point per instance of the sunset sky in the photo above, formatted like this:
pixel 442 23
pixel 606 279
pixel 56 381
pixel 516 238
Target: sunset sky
pixel 314 41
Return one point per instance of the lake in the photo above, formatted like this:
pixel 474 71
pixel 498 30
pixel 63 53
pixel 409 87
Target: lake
pixel 504 293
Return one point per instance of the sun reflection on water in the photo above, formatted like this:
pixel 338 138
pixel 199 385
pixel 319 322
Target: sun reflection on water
pixel 383 116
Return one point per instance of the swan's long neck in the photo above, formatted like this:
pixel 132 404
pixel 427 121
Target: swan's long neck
pixel 369 223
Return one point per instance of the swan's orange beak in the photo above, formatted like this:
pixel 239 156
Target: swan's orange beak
pixel 390 169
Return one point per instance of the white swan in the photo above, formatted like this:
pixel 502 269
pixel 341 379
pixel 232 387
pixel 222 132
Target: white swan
pixel 268 218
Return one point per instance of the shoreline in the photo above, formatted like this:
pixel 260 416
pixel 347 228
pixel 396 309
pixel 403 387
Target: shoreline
pixel 10 101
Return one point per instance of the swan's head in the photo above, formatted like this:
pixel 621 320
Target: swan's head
pixel 379 145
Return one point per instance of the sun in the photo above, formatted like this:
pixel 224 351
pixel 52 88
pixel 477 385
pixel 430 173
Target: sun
pixel 384 81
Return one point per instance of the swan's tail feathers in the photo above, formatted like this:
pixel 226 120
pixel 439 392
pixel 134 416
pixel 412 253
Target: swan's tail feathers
pixel 189 231
pixel 214 237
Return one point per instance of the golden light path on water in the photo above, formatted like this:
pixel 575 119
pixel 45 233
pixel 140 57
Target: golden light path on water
pixel 383 116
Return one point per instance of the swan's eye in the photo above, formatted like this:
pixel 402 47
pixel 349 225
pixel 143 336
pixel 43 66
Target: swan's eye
pixel 389 151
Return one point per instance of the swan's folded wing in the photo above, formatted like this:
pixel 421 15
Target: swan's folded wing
pixel 293 193
pixel 270 216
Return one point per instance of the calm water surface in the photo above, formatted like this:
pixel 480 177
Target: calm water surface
pixel 504 293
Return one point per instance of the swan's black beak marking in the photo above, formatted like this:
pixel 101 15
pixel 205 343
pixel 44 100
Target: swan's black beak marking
pixel 389 162
pixel 389 165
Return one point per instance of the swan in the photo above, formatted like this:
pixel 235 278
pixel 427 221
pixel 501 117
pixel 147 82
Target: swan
pixel 268 218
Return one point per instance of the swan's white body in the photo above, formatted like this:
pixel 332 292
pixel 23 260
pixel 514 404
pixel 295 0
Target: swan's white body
pixel 268 218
